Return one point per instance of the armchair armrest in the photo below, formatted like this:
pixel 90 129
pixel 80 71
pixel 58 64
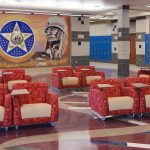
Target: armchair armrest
pixel 1 79
pixel 52 99
pixel 8 110
pixel 28 78
pixel 77 74
pixel 145 90
pixel 142 93
pixel 55 80
pixel 8 101
pixel 98 102
pixel 99 73
pixel 16 110
pixel 130 91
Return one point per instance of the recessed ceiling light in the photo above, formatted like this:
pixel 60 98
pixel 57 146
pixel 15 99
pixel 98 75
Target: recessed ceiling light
pixel 55 5
pixel 97 6
pixel 110 13
pixel 18 0
pixel 92 20
pixel 97 17
pixel 147 5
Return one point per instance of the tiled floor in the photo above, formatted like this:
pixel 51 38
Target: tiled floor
pixel 77 128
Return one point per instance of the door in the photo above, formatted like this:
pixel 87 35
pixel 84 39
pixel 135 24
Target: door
pixel 132 48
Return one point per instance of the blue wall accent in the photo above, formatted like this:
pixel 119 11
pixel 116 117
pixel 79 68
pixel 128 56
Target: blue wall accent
pixel 100 48
pixel 147 48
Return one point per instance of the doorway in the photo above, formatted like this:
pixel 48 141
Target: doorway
pixel 132 48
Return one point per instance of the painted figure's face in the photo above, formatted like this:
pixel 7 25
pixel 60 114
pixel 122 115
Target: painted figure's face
pixel 53 33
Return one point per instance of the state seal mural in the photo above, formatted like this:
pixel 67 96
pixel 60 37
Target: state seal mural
pixel 34 40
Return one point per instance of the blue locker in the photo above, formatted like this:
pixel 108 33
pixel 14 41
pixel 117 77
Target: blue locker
pixel 100 48
pixel 147 48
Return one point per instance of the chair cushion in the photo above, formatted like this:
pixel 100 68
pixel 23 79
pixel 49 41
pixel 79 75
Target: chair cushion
pixel 10 83
pixel 70 81
pixel 2 109
pixel 90 78
pixel 85 69
pixel 147 99
pixel 144 75
pixel 120 103
pixel 61 70
pixel 35 110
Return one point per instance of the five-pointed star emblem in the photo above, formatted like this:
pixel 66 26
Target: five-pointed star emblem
pixel 16 38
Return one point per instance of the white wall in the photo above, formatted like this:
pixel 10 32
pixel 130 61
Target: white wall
pixel 100 29
pixel 141 25
pixel 147 24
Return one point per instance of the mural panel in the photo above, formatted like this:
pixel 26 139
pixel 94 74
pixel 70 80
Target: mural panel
pixel 34 40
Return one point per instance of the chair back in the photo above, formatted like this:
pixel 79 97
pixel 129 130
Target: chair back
pixel 66 71
pixel 37 91
pixel 86 70
pixel 13 74
pixel 146 72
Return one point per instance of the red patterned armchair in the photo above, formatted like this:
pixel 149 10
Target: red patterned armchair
pixel 144 100
pixel 40 106
pixel 143 92
pixel 88 74
pixel 127 82
pixel 65 77
pixel 5 107
pixel 107 97
pixel 143 72
pixel 12 76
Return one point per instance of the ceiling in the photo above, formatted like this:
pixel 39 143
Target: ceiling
pixel 103 9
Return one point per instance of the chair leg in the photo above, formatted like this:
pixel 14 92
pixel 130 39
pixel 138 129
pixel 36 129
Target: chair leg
pixel 132 115
pixel 103 118
pixel 16 127
pixel 52 124
pixel 98 115
pixel 140 115
pixel 6 128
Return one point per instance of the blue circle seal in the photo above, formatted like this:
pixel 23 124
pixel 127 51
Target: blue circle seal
pixel 16 39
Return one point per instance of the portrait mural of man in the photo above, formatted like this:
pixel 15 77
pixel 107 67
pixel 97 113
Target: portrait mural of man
pixel 55 32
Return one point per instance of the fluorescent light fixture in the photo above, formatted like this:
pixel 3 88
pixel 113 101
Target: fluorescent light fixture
pixel 97 17
pixel 97 6
pixel 16 12
pixel 110 13
pixel 77 5
pixel 92 20
pixel 71 6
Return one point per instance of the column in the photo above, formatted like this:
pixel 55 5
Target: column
pixel 123 41
pixel 114 35
pixel 80 41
